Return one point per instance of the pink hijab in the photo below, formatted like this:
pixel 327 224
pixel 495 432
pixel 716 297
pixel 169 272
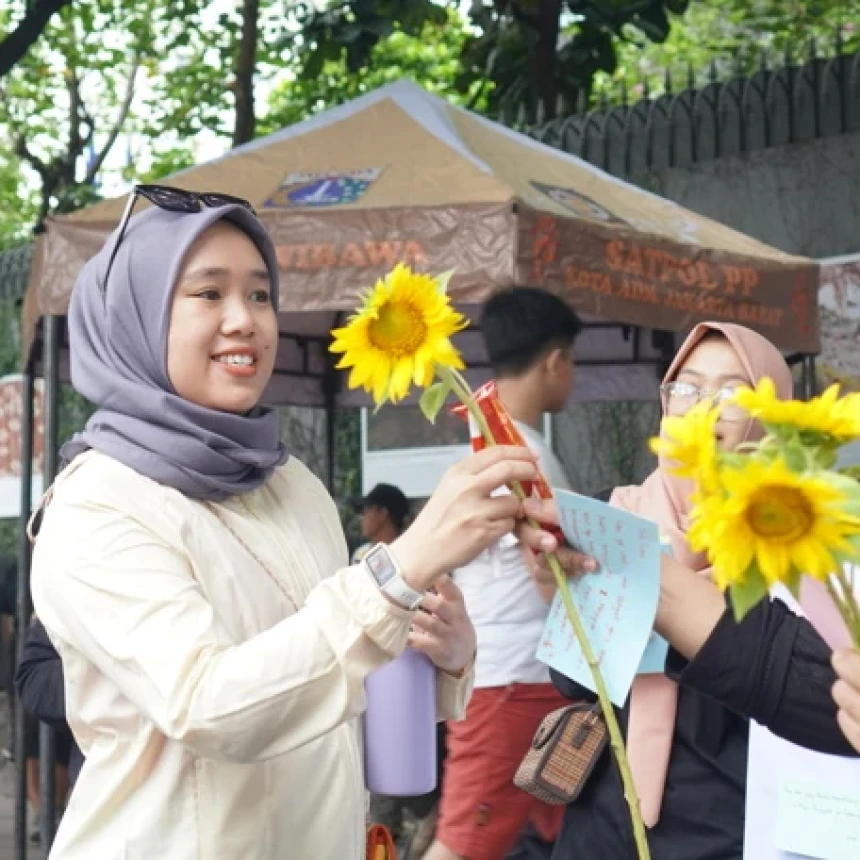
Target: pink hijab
pixel 665 499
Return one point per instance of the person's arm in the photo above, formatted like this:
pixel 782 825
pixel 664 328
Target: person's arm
pixel 39 678
pixel 117 593
pixel 772 667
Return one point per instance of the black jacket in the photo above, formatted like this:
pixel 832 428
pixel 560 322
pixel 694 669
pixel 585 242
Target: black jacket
pixel 772 667
pixel 39 683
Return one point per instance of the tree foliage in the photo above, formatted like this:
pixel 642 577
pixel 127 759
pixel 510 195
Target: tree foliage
pixel 726 37
pixel 64 106
pixel 430 56
pixel 517 51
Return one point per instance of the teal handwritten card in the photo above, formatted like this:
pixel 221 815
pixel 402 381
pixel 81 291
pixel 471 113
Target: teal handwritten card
pixel 617 605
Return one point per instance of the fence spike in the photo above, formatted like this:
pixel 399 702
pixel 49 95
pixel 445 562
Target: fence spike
pixel 762 60
pixel 540 113
pixel 713 72
pixel 522 117
pixel 646 89
pixel 559 105
pixel 624 96
pixel 691 75
pixel 667 83
pixel 581 101
pixel 603 100
pixel 838 44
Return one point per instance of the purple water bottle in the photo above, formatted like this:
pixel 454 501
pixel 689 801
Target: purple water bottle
pixel 400 727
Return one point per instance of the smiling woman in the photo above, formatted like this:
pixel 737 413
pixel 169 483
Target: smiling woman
pixel 223 326
pixel 194 578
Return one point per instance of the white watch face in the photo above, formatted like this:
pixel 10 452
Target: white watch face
pixel 380 566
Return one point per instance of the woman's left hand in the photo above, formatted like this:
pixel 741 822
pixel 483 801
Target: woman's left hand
pixel 442 629
pixel 846 693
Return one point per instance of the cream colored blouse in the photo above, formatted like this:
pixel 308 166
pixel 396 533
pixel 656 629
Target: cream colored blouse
pixel 218 720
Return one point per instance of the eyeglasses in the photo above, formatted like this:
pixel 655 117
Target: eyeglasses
pixel 171 200
pixel 681 397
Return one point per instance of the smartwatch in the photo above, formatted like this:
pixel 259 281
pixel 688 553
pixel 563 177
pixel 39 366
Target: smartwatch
pixel 385 570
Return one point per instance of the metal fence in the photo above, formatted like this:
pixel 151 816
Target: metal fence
pixel 705 120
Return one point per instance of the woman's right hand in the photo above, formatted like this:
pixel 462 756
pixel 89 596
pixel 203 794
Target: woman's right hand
pixel 462 518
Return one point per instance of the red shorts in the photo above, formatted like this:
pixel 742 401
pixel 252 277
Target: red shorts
pixel 482 813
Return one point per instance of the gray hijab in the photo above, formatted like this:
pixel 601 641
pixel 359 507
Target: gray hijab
pixel 118 342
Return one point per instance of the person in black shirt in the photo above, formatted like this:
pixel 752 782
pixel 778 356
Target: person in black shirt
pixel 772 667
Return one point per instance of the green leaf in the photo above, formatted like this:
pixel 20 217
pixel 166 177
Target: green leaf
pixel 852 472
pixel 747 594
pixel 443 279
pixel 433 399
pixel 796 457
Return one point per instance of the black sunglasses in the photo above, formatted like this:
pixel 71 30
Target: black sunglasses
pixel 171 200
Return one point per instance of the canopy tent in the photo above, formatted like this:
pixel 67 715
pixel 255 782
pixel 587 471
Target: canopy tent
pixel 400 174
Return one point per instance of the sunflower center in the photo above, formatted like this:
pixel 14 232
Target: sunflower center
pixel 398 330
pixel 780 514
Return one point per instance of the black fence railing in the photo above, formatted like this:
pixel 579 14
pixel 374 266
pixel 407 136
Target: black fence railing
pixel 798 101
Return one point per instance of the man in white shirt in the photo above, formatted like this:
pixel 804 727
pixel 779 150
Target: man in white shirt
pixel 529 335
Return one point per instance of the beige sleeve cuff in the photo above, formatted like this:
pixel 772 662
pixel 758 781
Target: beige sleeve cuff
pixel 350 603
pixel 453 694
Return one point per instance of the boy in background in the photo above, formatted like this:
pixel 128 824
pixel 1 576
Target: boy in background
pixel 529 335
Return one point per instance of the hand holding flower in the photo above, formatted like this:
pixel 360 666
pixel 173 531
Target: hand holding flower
pixel 537 542
pixel 462 518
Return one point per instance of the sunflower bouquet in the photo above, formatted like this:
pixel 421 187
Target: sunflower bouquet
pixel 777 509
pixel 400 337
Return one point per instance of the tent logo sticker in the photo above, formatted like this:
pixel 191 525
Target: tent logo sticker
pixel 579 204
pixel 322 189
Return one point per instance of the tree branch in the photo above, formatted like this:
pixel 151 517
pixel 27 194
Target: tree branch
pixel 15 46
pixel 246 63
pixel 23 152
pixel 516 11
pixel 66 164
pixel 119 122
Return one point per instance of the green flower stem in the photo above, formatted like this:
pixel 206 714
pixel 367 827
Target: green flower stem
pixel 464 393
pixel 847 606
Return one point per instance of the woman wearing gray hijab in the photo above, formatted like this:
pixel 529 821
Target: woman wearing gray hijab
pixel 194 577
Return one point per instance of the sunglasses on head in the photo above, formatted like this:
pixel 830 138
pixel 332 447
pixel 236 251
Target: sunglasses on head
pixel 171 200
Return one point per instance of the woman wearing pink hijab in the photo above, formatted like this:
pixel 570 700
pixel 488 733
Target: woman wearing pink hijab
pixel 687 729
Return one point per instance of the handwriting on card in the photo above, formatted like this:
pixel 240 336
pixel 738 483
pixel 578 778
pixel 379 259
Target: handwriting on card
pixel 817 820
pixel 617 604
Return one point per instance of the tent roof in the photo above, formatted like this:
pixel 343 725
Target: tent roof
pixel 400 174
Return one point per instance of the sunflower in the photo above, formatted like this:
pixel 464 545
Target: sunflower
pixel 784 521
pixel 836 418
pixel 399 335
pixel 690 442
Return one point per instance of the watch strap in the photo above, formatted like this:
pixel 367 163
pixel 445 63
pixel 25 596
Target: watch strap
pixel 383 567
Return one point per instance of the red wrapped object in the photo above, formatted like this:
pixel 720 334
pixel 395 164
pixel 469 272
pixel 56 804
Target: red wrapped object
pixel 505 433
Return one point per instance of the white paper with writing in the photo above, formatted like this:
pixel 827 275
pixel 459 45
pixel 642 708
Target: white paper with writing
pixel 780 817
pixel 816 820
